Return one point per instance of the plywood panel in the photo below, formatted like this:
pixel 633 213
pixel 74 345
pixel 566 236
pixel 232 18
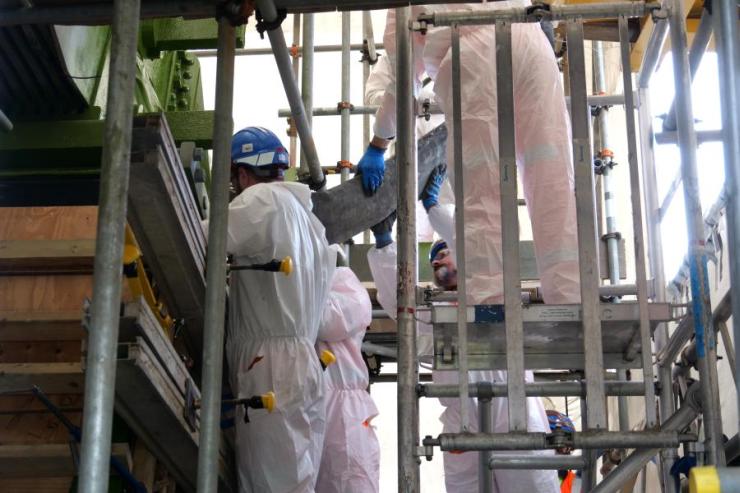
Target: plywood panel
pixel 48 223
pixel 45 485
pixel 40 351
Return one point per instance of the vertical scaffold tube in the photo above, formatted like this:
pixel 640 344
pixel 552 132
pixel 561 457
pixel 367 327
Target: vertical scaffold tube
pixel 727 41
pixel 215 305
pixel 345 115
pixel 408 371
pixel 700 301
pixel 307 52
pixel 462 311
pixel 100 377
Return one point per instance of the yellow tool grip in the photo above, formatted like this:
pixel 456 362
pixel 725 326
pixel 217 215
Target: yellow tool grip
pixel 327 358
pixel 286 265
pixel 268 401
pixel 704 480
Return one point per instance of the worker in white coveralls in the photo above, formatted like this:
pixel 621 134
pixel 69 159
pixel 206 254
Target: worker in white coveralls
pixel 544 159
pixel 351 458
pixel 274 319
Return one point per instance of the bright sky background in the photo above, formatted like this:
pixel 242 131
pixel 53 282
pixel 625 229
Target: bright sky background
pixel 259 94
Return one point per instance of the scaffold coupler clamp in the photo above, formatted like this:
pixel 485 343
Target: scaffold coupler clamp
pixel 539 11
pixel 236 11
pixel 421 25
pixel 365 50
pixel 603 161
pixel 425 112
pixel 263 25
pixel 427 448
pixel 559 439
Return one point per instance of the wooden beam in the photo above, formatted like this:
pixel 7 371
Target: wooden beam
pixel 35 257
pixel 47 461
pixel 53 378
pixel 52 330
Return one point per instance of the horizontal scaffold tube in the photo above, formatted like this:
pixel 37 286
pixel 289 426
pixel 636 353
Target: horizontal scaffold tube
pixel 537 462
pixel 529 14
pixel 539 389
pixel 465 442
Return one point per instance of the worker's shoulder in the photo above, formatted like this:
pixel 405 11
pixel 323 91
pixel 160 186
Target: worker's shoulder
pixel 277 194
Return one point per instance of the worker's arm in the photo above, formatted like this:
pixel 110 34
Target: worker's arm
pixel 348 311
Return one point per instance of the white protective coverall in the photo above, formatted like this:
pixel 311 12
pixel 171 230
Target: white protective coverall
pixel 351 459
pixel 461 470
pixel 273 324
pixel 543 146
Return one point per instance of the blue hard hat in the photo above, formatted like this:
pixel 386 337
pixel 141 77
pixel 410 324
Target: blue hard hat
pixel 436 247
pixel 259 150
pixel 559 420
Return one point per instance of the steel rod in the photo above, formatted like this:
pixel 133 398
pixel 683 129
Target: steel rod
pixel 268 51
pixel 100 374
pixel 408 369
pixel 298 112
pixel 528 462
pixel 652 53
pixel 485 478
pixel 587 241
pixel 702 136
pixel 587 440
pixel 538 389
pixel 554 13
pixel 459 189
pixel 307 78
pixel 608 290
pixel 369 38
pixel 517 401
pixel 727 39
pixel 296 74
pixel 370 348
pixel 345 123
pixel 215 303
pixel 637 459
pixel 699 45
pixel 637 228
pixel 701 303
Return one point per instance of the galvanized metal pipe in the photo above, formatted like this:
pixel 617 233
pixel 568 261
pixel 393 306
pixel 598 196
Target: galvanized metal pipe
pixel 727 40
pixel 587 241
pixel 307 78
pixel 529 462
pixel 538 389
pixel 268 51
pixel 589 440
pixel 701 303
pixel 370 348
pixel 367 32
pixel 459 189
pixel 699 45
pixel 345 123
pixel 637 228
pixel 298 112
pixel 637 459
pixel 100 373
pixel 652 53
pixel 553 12
pixel 702 136
pixel 485 479
pixel 408 369
pixel 607 290
pixel 5 124
pixel 215 303
pixel 296 73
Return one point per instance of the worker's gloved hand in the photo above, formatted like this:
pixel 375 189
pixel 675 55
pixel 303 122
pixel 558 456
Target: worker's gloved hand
pixel 372 169
pixel 430 195
pixel 382 231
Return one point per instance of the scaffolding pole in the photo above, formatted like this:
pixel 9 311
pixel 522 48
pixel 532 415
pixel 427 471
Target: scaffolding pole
pixel 727 41
pixel 485 479
pixel 637 228
pixel 100 374
pixel 296 74
pixel 408 368
pixel 700 300
pixel 369 59
pixel 215 305
pixel 307 79
pixel 459 189
pixel 345 104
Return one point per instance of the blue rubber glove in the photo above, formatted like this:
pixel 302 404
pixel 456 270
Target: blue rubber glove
pixel 372 169
pixel 430 194
pixel 382 231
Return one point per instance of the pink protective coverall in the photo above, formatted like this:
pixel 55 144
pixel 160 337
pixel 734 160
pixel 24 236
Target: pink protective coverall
pixel 351 456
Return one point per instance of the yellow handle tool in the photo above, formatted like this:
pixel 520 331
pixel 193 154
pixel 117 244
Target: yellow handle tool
pixel 285 266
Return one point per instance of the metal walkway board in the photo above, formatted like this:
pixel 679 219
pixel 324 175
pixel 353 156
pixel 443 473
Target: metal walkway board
pixel 553 335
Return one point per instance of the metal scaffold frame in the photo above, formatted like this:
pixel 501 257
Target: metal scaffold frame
pixel 666 431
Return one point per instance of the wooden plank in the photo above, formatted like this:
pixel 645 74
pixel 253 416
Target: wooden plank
pixel 41 351
pixel 47 461
pixel 48 223
pixel 29 257
pixel 56 378
pixel 44 485
pixel 42 330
